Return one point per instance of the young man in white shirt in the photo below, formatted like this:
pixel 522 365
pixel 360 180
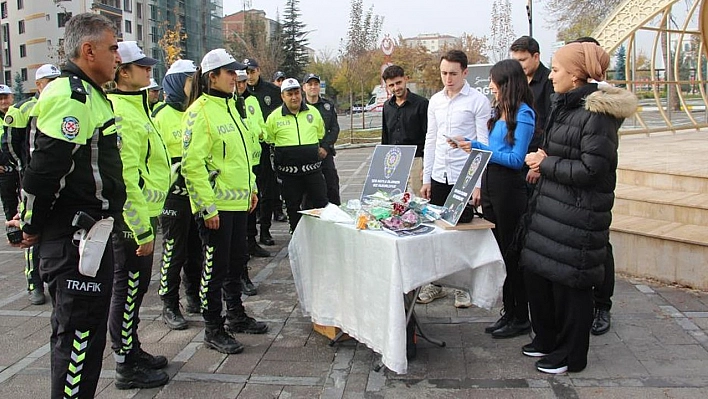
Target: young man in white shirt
pixel 456 110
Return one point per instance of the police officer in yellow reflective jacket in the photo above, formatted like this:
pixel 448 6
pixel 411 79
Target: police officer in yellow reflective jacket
pixel 16 142
pixel 217 167
pixel 181 247
pixel 146 173
pixel 295 129
pixel 75 166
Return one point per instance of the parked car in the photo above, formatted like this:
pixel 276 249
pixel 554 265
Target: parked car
pixel 357 108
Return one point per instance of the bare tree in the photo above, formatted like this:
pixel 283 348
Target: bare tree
pixel 502 32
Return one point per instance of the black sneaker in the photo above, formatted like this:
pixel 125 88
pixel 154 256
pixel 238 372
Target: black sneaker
pixel 135 375
pixel 503 320
pixel 193 304
pixel 149 361
pixel 244 324
pixel 531 351
pixel 36 296
pixel 546 366
pixel 266 238
pixel 172 316
pixel 220 341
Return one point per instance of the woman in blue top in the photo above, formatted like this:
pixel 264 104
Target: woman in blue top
pixel 503 190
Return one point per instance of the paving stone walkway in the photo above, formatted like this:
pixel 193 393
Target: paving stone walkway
pixel 657 347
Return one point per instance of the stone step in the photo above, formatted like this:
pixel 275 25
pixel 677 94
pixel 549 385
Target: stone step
pixel 666 180
pixel 667 251
pixel 661 204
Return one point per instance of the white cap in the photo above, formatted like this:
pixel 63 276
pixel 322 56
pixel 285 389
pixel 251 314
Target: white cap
pixel 5 89
pixel 153 85
pixel 182 66
pixel 131 53
pixel 47 71
pixel 289 84
pixel 241 75
pixel 220 58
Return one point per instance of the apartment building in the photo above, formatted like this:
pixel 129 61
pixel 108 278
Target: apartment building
pixel 31 31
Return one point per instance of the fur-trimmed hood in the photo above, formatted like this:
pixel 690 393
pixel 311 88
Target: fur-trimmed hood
pixel 611 100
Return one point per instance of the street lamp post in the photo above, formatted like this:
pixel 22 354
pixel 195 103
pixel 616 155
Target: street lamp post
pixel 529 13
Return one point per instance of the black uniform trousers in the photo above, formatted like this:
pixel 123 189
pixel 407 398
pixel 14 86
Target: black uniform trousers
pixel 269 189
pixel 10 191
pixel 296 187
pixel 79 314
pixel 439 192
pixel 130 283
pixel 329 170
pixel 181 250
pixel 503 203
pixel 253 216
pixel 602 294
pixel 225 256
pixel 561 317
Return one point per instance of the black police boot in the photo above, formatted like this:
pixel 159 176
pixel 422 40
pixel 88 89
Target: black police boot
pixel 193 304
pixel 247 287
pixel 136 372
pixel 148 360
pixel 266 238
pixel 601 323
pixel 238 322
pixel 36 296
pixel 255 250
pixel 215 337
pixel 172 316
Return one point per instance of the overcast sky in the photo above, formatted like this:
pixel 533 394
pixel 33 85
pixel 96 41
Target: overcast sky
pixel 328 19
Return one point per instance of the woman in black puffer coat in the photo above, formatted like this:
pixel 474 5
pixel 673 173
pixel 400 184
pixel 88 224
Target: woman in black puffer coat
pixel 570 214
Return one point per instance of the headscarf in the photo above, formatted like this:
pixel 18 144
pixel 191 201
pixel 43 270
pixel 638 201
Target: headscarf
pixel 173 85
pixel 584 60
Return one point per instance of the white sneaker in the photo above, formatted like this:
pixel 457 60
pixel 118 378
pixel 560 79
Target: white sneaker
pixel 462 299
pixel 430 293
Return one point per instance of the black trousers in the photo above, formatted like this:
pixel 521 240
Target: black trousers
pixel 295 187
pixel 225 256
pixel 561 317
pixel 439 192
pixel 503 203
pixel 32 269
pixel 181 250
pixel 79 315
pixel 602 294
pixel 253 216
pixel 268 188
pixel 329 170
pixel 130 283
pixel 10 192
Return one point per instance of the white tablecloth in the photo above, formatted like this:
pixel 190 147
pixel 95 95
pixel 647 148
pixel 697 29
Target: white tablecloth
pixel 355 279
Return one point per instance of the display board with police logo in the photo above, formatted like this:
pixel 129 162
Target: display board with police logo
pixel 389 169
pixel 461 192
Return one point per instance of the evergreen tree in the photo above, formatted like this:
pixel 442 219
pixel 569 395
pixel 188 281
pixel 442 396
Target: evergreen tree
pixel 620 65
pixel 18 88
pixel 294 41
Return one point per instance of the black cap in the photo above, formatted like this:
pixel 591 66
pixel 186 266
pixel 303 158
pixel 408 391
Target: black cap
pixel 250 63
pixel 310 76
pixel 278 75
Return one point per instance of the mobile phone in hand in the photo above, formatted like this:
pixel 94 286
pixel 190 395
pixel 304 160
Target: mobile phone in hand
pixel 454 140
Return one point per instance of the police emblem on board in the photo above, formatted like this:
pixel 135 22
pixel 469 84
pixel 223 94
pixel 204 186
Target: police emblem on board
pixel 472 170
pixel 391 161
pixel 70 127
pixel 310 118
pixel 266 100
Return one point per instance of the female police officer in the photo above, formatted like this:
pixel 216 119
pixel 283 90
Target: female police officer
pixel 146 173
pixel 216 164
